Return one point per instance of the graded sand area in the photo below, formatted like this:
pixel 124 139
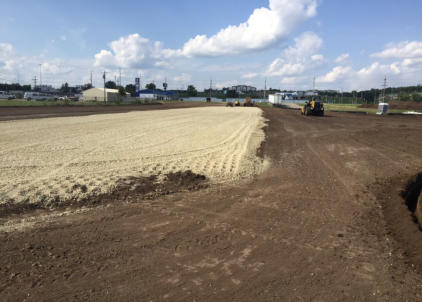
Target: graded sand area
pixel 48 161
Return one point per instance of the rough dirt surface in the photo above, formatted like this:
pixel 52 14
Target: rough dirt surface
pixel 318 225
pixel 47 162
pixel 20 112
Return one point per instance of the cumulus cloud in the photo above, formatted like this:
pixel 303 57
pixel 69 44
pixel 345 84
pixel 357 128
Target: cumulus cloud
pixel 264 28
pixel 133 51
pixel 7 56
pixel 334 75
pixel 298 58
pixel 401 50
pixel 182 78
pixel 342 58
pixel 249 75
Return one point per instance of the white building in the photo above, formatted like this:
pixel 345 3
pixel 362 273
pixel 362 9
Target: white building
pixel 97 94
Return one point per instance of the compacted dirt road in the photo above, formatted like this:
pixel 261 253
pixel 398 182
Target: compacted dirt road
pixel 324 222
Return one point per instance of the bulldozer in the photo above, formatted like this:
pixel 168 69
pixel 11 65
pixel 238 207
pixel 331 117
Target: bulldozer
pixel 313 107
pixel 248 102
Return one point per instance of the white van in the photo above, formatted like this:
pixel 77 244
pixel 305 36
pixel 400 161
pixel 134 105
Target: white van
pixel 36 96
pixel 5 96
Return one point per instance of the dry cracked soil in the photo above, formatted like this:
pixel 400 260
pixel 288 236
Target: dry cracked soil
pixel 325 222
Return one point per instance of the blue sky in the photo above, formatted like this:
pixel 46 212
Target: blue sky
pixel 344 44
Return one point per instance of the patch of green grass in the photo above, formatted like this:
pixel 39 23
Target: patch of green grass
pixel 264 104
pixel 355 108
pixel 348 107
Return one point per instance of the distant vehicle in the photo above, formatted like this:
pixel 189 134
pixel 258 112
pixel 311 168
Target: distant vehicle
pixel 36 96
pixel 248 102
pixel 314 107
pixel 5 96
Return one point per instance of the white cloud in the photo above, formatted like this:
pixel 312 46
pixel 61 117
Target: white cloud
pixel 297 59
pixel 249 75
pixel 56 67
pixel 224 84
pixel 265 27
pixel 182 78
pixel 342 58
pixel 133 51
pixel 401 50
pixel 334 75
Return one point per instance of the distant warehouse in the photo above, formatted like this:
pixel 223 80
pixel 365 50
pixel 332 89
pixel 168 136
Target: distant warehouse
pixel 150 94
pixel 97 94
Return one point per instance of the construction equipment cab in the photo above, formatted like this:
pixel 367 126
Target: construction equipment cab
pixel 313 107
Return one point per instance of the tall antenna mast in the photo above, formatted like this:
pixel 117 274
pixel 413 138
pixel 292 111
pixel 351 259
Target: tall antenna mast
pixel 313 86
pixel 384 85
pixel 210 87
pixel 265 88
pixel 91 78
pixel 40 76
pixel 120 77
pixel 35 82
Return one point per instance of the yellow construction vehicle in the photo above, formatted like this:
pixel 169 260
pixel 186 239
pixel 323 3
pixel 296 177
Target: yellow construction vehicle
pixel 248 102
pixel 313 107
pixel 236 103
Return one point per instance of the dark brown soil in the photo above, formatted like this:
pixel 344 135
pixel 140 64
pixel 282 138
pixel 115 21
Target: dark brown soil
pixel 17 113
pixel 126 190
pixel 325 222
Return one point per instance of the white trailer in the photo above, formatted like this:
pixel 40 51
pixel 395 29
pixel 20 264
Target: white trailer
pixel 5 96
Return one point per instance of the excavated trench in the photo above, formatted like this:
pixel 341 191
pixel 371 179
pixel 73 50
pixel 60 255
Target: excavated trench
pixel 413 199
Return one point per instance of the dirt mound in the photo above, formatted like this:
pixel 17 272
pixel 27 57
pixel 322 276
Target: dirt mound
pixel 127 190
pixel 412 194
pixel 397 105
pixel 400 198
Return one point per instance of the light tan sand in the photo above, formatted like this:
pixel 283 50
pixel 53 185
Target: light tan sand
pixel 42 159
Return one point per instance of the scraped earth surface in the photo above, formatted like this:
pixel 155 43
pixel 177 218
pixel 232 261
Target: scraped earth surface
pixel 48 162
pixel 322 223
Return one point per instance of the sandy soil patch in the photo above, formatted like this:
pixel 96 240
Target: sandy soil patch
pixel 47 161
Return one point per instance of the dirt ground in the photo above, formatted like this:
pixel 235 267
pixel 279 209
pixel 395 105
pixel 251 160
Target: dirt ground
pixel 20 112
pixel 325 222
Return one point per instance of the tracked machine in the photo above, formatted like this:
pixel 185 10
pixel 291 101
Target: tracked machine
pixel 313 107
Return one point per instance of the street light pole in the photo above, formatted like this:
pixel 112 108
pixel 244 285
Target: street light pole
pixel 40 76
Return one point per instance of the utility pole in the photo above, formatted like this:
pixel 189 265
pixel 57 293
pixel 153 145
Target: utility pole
pixel 35 82
pixel 104 78
pixel 384 85
pixel 120 77
pixel 210 88
pixel 265 88
pixel 91 79
pixel 40 77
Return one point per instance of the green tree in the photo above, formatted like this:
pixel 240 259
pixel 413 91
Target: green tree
pixel 65 88
pixel 110 85
pixel 122 91
pixel 192 91
pixel 130 88
pixel 86 86
pixel 232 94
pixel 150 86
pixel 416 97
